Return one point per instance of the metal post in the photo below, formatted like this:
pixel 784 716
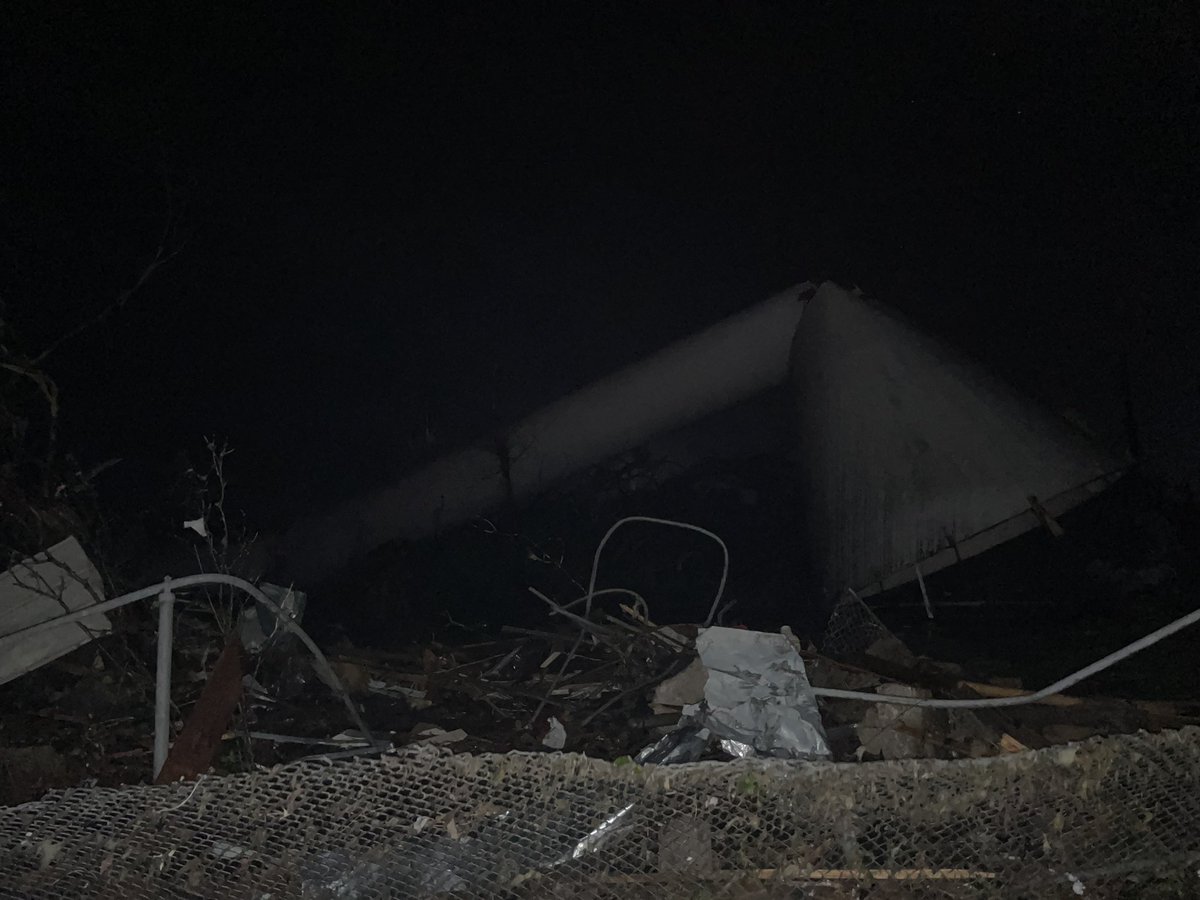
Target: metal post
pixel 162 673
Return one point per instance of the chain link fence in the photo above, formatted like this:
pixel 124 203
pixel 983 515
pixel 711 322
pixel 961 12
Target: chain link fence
pixel 1110 817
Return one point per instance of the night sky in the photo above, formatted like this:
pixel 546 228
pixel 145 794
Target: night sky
pixel 403 222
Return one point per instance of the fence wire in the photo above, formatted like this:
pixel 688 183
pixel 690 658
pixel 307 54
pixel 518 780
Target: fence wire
pixel 1100 818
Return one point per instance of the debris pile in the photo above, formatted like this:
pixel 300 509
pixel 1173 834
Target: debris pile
pixel 598 675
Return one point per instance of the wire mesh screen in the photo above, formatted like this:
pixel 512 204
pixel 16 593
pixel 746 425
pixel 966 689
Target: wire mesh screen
pixel 1096 817
pixel 852 628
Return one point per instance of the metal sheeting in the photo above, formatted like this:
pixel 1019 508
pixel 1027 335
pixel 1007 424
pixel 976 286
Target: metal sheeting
pixel 910 455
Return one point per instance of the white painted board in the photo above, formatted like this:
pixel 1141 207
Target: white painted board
pixel 51 584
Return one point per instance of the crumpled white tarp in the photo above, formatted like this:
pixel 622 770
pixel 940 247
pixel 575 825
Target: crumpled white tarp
pixel 758 697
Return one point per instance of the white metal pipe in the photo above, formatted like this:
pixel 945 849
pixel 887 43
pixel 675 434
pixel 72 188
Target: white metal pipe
pixel 162 675
pixel 286 621
pixel 702 374
pixel 1021 700
pixel 692 378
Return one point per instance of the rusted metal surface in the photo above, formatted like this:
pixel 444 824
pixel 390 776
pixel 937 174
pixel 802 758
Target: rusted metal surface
pixel 194 750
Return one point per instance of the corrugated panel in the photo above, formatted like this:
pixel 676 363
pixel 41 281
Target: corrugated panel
pixel 913 456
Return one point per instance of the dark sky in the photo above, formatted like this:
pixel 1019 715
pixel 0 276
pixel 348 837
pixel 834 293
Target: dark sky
pixel 394 217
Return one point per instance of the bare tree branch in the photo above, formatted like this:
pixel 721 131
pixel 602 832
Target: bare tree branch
pixel 162 256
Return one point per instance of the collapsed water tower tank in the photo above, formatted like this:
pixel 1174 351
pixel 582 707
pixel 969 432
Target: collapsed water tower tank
pixel 910 455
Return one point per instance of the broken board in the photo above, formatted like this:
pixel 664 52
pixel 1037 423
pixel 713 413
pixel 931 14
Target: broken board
pixel 51 584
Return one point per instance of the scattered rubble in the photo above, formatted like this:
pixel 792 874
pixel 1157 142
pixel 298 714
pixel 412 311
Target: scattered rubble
pixel 482 640
pixel 598 674
pixel 586 674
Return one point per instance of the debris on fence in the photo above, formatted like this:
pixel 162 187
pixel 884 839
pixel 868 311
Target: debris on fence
pixel 619 675
pixel 612 684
